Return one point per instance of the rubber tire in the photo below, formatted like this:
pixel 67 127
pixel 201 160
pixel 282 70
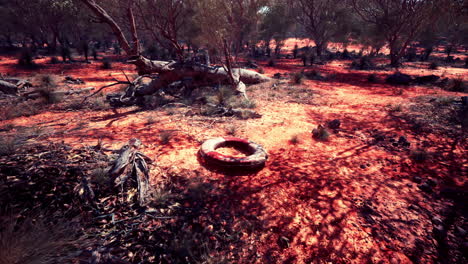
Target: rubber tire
pixel 255 160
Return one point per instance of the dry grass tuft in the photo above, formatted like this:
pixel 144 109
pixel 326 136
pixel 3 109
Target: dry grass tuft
pixel 37 239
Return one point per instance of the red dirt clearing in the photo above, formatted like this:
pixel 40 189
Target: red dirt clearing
pixel 347 200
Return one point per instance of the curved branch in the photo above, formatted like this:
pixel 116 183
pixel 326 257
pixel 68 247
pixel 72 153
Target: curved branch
pixel 104 16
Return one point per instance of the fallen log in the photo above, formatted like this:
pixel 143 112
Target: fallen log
pixel 193 75
pixel 132 165
pixel 147 66
pixel 8 88
pixel 172 71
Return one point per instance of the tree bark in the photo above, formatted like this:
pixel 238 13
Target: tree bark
pixel 131 163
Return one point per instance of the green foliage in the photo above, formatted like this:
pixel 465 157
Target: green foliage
pixel 276 22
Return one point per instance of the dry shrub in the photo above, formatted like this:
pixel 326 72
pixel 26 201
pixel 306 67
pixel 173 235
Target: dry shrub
pixel 165 137
pixel 231 130
pixel 30 108
pixel 37 239
pixel 297 77
pixel 457 85
pixel 47 86
pixel 314 75
pixel 7 146
pixel 295 140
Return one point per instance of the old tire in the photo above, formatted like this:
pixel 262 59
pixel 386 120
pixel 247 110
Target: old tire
pixel 256 158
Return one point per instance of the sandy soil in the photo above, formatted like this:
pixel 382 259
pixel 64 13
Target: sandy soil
pixel 347 200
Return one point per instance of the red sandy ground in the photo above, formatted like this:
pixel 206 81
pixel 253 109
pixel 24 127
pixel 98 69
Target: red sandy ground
pixel 311 193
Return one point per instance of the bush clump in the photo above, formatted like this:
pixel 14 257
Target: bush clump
pixel 314 75
pixel 457 85
pixel 364 63
pixel 37 239
pixel 7 146
pixel 320 133
pixel 297 77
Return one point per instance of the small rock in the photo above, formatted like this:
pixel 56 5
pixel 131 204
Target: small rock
pixel 417 179
pixel 409 185
pixel 277 75
pixel 334 124
pixel 362 166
